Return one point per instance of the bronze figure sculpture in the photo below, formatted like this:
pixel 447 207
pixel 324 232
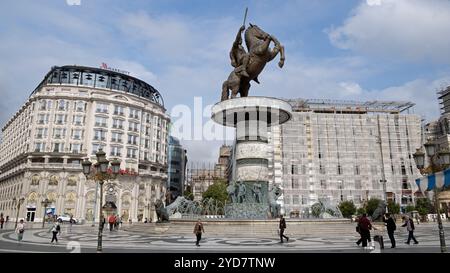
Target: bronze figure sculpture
pixel 248 65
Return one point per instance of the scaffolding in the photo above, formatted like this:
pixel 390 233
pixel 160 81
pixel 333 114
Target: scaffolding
pixel 348 106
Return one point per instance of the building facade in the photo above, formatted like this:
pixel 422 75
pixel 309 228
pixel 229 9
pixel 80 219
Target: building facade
pixel 438 132
pixel 72 113
pixel 201 177
pixel 335 150
pixel 177 170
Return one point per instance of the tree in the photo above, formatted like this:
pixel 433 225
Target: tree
pixel 188 193
pixel 372 205
pixel 217 191
pixel 393 207
pixel 423 206
pixel 347 209
pixel 360 211
pixel 410 208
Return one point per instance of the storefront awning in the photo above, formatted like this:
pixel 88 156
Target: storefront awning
pixel 439 180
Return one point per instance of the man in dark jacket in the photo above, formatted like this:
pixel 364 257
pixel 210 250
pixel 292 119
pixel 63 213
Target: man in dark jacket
pixel 282 228
pixel 391 227
pixel 365 226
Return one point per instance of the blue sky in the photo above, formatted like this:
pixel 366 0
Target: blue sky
pixel 340 49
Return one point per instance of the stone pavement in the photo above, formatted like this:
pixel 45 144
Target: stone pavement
pixel 84 239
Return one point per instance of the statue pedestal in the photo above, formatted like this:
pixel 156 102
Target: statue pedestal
pixel 252 117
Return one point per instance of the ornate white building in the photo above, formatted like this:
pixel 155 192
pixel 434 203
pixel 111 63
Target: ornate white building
pixel 71 114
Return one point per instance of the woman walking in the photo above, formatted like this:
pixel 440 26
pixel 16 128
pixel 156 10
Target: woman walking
pixel 55 230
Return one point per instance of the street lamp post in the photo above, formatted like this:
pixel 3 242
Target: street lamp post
pixel 444 156
pixel 19 202
pixel 101 175
pixel 44 203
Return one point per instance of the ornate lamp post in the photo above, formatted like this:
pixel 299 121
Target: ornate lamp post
pixel 18 202
pixel 101 175
pixel 45 203
pixel 444 156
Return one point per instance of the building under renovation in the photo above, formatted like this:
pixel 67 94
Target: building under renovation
pixel 333 151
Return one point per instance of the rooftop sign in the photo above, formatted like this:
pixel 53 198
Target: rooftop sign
pixel 106 67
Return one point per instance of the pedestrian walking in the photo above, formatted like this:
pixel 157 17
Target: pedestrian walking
pixel 409 224
pixel 55 229
pixel 365 226
pixel 117 223
pixel 71 222
pixel 358 229
pixel 2 220
pixel 20 230
pixel 111 221
pixel 282 227
pixel 198 230
pixel 391 227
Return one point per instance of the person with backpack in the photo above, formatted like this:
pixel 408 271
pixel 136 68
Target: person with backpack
pixel 409 224
pixel 391 227
pixel 56 228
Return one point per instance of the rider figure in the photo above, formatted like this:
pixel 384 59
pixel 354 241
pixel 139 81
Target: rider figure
pixel 239 57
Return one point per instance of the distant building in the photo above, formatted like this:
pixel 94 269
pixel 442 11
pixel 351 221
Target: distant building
pixel 177 157
pixel 201 177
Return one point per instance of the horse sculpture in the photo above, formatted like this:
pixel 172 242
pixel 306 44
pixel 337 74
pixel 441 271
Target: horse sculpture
pixel 274 194
pixel 161 211
pixel 249 65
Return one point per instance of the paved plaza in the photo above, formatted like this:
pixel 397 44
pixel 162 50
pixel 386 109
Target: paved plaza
pixel 84 239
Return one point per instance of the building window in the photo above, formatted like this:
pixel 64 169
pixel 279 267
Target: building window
pixel 146 156
pixel 134 113
pixel 101 108
pixel 58 147
pixel 95 148
pixel 118 110
pixel 41 133
pixel 358 184
pixel 100 121
pixel 43 105
pixel 287 200
pixel 133 126
pixel 39 147
pixel 43 118
pixel 117 123
pixel 132 139
pixel 78 120
pixel 77 133
pixel 322 169
pixel 100 135
pixel 63 105
pixel 295 200
pixel 59 133
pixel 60 118
pixel 304 200
pixel 131 153
pixel 75 148
pixel 80 106
pixel 323 184
pixel 116 151
pixel 116 137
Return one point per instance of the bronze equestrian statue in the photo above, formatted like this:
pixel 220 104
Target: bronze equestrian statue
pixel 248 65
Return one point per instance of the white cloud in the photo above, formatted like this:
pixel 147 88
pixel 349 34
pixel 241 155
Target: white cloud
pixel 350 88
pixel 411 30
